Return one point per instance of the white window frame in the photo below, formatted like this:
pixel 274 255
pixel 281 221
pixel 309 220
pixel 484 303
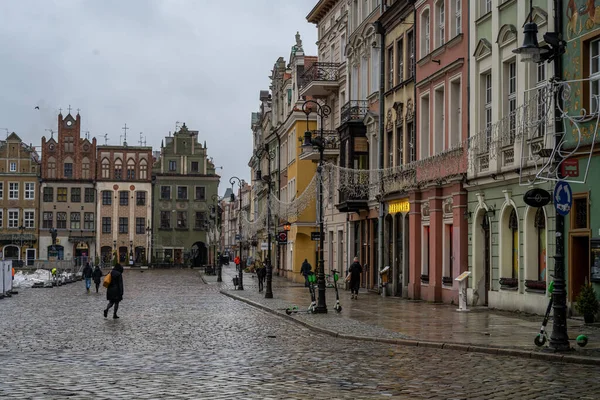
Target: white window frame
pixel 364 78
pixel 426 30
pixel 13 190
pixel 441 16
pixel 13 222
pixel 439 132
pixel 424 137
pixel 13 166
pixel 512 99
pixel 457 17
pixel 542 110
pixel 488 91
pixel 29 219
pixel 594 76
pixel 29 190
pixel 375 55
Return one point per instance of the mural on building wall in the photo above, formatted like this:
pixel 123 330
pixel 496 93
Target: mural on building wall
pixel 581 14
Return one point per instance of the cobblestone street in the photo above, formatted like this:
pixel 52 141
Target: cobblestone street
pixel 180 338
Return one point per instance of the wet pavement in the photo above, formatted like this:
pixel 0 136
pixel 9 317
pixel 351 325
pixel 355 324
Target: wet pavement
pixel 180 338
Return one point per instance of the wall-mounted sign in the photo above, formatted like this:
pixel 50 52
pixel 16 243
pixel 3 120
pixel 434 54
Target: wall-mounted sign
pixel 537 197
pixel 264 246
pixel 570 168
pixel 398 206
pixel 315 236
pixel 282 237
pixel 563 198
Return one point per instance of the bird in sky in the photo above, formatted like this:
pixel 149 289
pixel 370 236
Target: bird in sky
pixel 37 107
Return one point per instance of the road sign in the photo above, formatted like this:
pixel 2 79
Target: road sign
pixel 563 198
pixel 282 237
pixel 238 237
pixel 537 197
pixel 264 246
pixel 570 168
pixel 315 236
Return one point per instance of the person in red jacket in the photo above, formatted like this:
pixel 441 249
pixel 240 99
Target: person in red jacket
pixel 236 260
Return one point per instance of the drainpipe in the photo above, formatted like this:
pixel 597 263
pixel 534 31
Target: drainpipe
pixel 381 33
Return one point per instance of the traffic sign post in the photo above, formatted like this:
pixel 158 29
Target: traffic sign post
pixel 563 198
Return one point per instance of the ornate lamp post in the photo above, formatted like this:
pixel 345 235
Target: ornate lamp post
pixel 149 251
pixel 531 51
pixel 268 180
pixel 232 181
pixel 319 142
pixel 216 199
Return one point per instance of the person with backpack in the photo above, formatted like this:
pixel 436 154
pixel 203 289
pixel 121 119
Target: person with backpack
pixel 261 273
pixel 87 275
pixel 305 270
pixel 96 276
pixel 354 273
pixel 114 290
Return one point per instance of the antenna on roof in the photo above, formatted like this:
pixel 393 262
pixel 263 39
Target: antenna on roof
pixel 141 141
pixel 87 133
pixel 51 133
pixel 105 139
pixel 177 126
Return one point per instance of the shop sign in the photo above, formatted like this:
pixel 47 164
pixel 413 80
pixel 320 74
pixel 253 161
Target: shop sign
pixel 398 206
pixel 570 168
pixel 536 197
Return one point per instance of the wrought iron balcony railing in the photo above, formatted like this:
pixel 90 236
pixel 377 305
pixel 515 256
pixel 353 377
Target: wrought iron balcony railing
pixel 354 110
pixel 331 138
pixel 320 71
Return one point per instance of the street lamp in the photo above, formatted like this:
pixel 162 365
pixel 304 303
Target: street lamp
pixel 268 180
pixel 309 142
pixel 559 340
pixel 149 251
pixel 232 181
pixel 216 199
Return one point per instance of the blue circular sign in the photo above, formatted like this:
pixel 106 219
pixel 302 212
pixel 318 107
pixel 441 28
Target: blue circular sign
pixel 563 198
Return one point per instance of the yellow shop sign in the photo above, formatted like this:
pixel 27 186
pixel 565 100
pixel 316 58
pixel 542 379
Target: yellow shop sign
pixel 399 206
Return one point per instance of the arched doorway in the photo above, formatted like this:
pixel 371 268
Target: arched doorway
pixel 82 253
pixel 399 263
pixel 481 234
pixel 199 254
pixel 11 252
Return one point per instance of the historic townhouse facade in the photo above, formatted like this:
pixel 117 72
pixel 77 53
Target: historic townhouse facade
pixel 19 200
pixel 184 181
pixel 398 135
pixel 510 255
pixel 359 133
pixel 124 207
pixel 438 228
pixel 325 81
pixel 68 195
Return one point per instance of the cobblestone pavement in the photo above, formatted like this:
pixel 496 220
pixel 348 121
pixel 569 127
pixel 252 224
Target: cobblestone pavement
pixel 179 338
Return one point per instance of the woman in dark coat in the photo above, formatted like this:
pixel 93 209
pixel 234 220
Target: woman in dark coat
pixel 114 292
pixel 97 275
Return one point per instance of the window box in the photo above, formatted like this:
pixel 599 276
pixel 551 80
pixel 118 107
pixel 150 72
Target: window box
pixel 536 285
pixel 509 283
pixel 447 280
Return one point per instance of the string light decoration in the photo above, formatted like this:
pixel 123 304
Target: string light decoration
pixel 295 208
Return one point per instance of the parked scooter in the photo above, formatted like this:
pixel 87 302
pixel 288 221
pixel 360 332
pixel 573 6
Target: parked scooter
pixel 337 307
pixel 312 278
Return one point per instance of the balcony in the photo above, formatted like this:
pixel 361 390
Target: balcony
pixel 320 79
pixel 331 148
pixel 352 202
pixel 354 110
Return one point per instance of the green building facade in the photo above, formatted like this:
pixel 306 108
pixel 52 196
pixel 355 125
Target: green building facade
pixel 183 184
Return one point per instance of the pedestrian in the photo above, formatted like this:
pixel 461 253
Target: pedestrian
pixel 114 292
pixel 236 260
pixel 305 271
pixel 54 276
pixel 97 276
pixel 354 276
pixel 261 273
pixel 87 275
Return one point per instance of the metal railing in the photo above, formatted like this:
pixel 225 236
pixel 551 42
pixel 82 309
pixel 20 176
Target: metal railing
pixel 320 71
pixel 354 110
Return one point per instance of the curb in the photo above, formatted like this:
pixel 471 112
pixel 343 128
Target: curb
pixel 534 355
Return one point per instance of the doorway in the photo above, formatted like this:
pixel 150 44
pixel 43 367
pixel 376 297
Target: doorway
pixel 485 225
pixel 579 264
pixel 30 256
pixel 399 264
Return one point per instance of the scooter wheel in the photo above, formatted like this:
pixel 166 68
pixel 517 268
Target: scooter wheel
pixel 288 311
pixel 339 309
pixel 581 340
pixel 539 340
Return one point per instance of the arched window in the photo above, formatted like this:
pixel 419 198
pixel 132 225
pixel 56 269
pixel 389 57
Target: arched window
pixel 130 169
pixel 51 167
pixel 118 169
pixel 425 33
pixel 143 169
pixel 513 225
pixel 105 168
pixel 441 23
pixel 540 228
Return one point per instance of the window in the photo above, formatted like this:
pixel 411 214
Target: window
pixel 140 198
pixel 457 17
pixel 61 220
pixel 410 48
pixel 594 75
pixel 75 195
pixel 123 198
pixel 13 218
pixel 455 113
pixel 130 169
pixel 540 227
pixel 390 148
pixel 354 83
pixel 106 197
pixel 29 191
pixel 512 101
pixel 51 167
pixel 200 221
pixel 441 15
pixel 200 193
pixel 374 69
pixel 105 169
pixel 118 169
pixel 182 193
pixel 123 224
pixel 75 220
pixel 487 6
pixel 400 66
pixel 165 220
pixel 412 141
pixel 172 166
pixel 13 190
pixel 390 60
pixel 68 170
pixel 88 221
pixel 579 213
pixel 488 109
pixel 364 78
pixel 425 32
pixel 48 195
pixel 1 190
pixel 439 127
pixel 106 224
pixel 165 192
pixel 513 225
pixel 90 195
pixel 424 134
pixel 13 167
pixel 143 169
pixel 194 167
pixel 182 220
pixel 29 219
pixel 343 47
pixel 140 226
pixel 399 145
pixel 1 218
pixel 47 220
pixel 69 144
pixel 85 168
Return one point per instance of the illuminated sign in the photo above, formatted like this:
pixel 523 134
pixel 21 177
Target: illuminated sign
pixel 399 206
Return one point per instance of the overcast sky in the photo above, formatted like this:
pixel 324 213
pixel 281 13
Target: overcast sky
pixel 147 63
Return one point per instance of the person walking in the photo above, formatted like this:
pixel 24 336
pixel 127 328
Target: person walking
pixel 261 273
pixel 97 276
pixel 236 261
pixel 354 274
pixel 87 275
pixel 114 292
pixel 305 271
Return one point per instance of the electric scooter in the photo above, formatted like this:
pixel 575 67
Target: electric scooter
pixel 337 307
pixel 542 337
pixel 311 287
